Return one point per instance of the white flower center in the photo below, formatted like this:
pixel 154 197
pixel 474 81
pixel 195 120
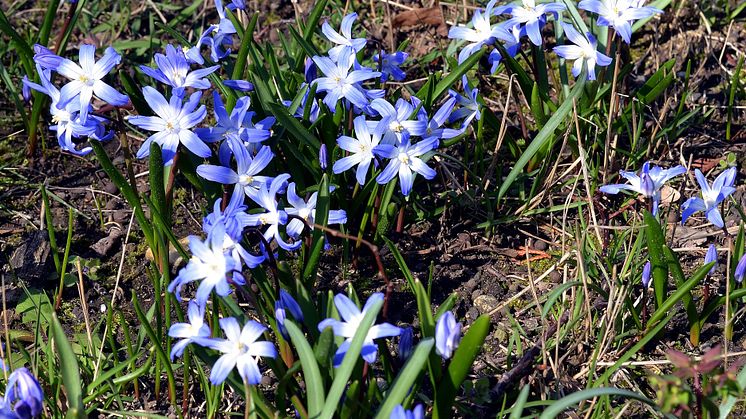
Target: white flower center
pixel 245 180
pixel 404 158
pixel 396 127
pixel 304 213
pixel 86 79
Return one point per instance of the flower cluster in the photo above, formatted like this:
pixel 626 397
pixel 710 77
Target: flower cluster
pixel 649 184
pixel 382 130
pixel 71 109
pixel 527 19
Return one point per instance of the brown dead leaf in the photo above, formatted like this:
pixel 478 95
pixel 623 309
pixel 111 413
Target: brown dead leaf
pixel 430 16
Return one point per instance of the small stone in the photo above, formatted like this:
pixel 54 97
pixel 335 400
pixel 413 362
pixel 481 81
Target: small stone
pixel 540 245
pixel 486 303
pixel 476 294
pixel 555 276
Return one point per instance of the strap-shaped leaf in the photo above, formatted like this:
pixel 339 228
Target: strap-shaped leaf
pixel 403 383
pixel 70 372
pixel 311 373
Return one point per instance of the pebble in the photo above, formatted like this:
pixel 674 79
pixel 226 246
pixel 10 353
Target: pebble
pixel 486 303
pixel 540 245
pixel 476 294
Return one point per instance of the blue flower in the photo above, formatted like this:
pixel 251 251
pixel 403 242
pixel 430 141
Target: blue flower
pixel 173 70
pixel 307 211
pixel 172 125
pixel 67 121
pixel 389 65
pixel 512 46
pixel 86 79
pixel 406 343
pixel 233 220
pixel 286 303
pixel 45 58
pixel 272 217
pixel 241 349
pixel 469 107
pixel 340 82
pixel 435 129
pixel 395 123
pixel 712 256
pixel 712 196
pixel 740 269
pixel 404 160
pixel 618 14
pixel 352 317
pixel 361 148
pixel 648 183
pixel 237 5
pixel 237 125
pixel 209 264
pixel 447 335
pixel 646 275
pixel 584 52
pixel 188 332
pixel 246 176
pixel 26 89
pixel 400 413
pixel 482 34
pixel 323 160
pixel 344 40
pixel 240 85
pixel 530 14
pixel 24 393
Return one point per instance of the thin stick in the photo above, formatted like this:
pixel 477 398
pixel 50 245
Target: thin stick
pixel 81 291
pixel 608 153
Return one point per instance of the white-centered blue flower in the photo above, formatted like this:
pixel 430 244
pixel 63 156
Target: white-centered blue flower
pixel 172 124
pixel 241 350
pixel 273 216
pixel 712 196
pixel 482 33
pixel 619 14
pixel 530 14
pixel 343 39
pixel 447 335
pixel 740 269
pixel 646 275
pixel 246 177
pixel 209 264
pixel 648 183
pixel 286 303
pixel 188 332
pixel 584 52
pixel 352 317
pixel 86 79
pixel 405 162
pixel 396 123
pixel 361 149
pixel 173 70
pixel 339 82
pixel 307 211
pixel 389 65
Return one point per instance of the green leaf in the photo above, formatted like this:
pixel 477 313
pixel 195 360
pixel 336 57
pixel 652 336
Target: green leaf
pixel 657 83
pixel 344 371
pixel 559 406
pixel 454 76
pixel 729 401
pixel 295 128
pixel 658 264
pixel 311 373
pixel 683 290
pixel 157 186
pixel 70 372
pixel 460 365
pixel 545 135
pixel 403 383
pixel 674 266
pixel 555 294
pixel 520 403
